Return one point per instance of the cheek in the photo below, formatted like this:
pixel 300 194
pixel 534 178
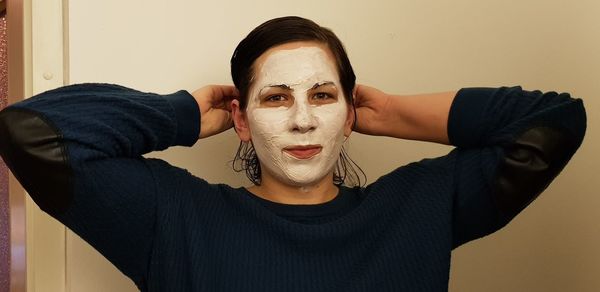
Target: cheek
pixel 332 118
pixel 265 123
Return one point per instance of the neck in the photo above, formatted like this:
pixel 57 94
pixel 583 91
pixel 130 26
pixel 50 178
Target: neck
pixel 273 190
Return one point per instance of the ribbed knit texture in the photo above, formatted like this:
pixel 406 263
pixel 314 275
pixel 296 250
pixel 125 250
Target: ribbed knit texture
pixel 170 231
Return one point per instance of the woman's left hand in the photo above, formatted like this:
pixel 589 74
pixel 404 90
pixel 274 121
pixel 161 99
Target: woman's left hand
pixel 372 106
pixel 421 117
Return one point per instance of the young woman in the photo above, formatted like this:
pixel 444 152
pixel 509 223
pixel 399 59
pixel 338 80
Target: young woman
pixel 78 151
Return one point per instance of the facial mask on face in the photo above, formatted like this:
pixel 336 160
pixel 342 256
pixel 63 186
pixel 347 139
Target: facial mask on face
pixel 298 144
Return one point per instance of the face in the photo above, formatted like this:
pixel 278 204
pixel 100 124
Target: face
pixel 297 115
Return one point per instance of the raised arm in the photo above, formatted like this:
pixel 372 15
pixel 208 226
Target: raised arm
pixel 421 117
pixel 511 143
pixel 78 150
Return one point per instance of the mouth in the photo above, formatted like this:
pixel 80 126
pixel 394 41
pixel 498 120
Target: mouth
pixel 303 151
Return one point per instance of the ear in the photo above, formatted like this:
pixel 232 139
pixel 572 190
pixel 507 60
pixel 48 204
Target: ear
pixel 349 121
pixel 240 121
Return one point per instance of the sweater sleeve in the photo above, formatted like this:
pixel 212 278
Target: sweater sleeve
pixel 78 150
pixel 511 144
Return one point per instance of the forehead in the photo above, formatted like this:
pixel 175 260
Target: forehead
pixel 295 62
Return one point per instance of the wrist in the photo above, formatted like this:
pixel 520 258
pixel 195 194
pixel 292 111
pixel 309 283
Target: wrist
pixel 187 117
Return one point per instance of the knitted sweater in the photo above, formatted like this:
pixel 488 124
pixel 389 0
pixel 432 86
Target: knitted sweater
pixel 78 151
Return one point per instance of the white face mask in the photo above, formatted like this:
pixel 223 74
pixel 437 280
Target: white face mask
pixel 296 128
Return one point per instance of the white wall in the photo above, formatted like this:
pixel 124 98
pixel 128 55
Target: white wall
pixel 408 46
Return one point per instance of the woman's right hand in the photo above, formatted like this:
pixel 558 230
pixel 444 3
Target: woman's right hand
pixel 215 110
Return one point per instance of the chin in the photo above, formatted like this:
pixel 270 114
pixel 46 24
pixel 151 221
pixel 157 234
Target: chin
pixel 304 173
pixel 308 177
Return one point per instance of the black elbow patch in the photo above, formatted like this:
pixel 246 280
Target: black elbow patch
pixel 528 167
pixel 34 151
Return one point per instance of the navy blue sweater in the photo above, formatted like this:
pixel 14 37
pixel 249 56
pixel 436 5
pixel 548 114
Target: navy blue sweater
pixel 78 151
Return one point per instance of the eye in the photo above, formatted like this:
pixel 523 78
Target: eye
pixel 322 95
pixel 275 98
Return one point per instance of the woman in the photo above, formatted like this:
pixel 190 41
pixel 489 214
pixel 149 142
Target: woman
pixel 77 150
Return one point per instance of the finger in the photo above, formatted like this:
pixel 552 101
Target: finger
pixel 216 121
pixel 355 91
pixel 228 92
pixel 224 104
pixel 358 91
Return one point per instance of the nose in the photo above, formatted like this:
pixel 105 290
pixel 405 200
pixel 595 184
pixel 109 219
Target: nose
pixel 302 118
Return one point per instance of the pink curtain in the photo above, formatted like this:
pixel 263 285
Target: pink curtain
pixel 4 215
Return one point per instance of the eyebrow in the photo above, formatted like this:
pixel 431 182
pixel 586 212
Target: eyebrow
pixel 287 87
pixel 317 85
pixel 282 86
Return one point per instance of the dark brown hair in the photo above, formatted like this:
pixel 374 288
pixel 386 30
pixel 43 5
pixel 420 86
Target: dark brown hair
pixel 276 32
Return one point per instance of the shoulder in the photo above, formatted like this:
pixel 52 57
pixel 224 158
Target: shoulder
pixel 433 176
pixel 179 188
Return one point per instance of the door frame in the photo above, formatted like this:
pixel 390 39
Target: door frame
pixel 37 37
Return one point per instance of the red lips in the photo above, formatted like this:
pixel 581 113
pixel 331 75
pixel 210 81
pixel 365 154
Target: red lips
pixel 303 152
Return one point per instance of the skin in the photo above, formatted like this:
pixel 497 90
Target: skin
pixel 416 117
pixel 422 117
pixel 274 186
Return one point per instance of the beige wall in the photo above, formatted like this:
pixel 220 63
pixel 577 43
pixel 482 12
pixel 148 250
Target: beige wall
pixel 399 46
